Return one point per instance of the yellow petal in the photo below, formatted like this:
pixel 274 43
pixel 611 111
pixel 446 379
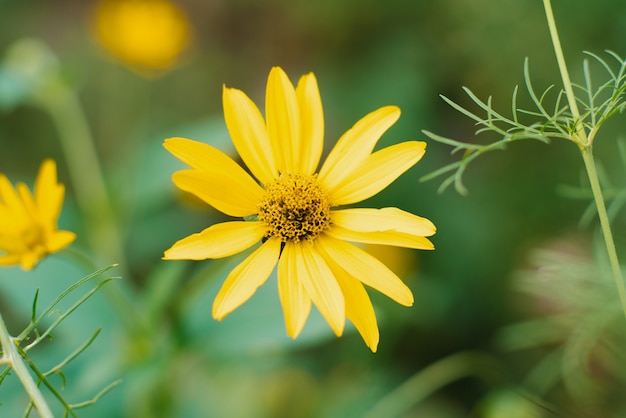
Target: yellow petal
pixel 365 268
pixel 59 240
pixel 9 259
pixel 200 155
pixel 9 197
pixel 311 123
pixel 48 193
pixel 376 172
pixel 217 241
pixel 246 278
pixel 29 260
pixel 359 309
pixel 12 220
pixel 393 238
pixel 233 193
pixel 9 243
pixel 27 200
pixel 283 126
pixel 385 219
pixel 321 285
pixel 249 134
pixel 356 145
pixel 294 299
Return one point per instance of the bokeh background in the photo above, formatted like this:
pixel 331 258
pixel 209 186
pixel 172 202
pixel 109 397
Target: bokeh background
pixel 505 321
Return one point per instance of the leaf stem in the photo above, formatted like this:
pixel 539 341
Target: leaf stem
pixel 13 358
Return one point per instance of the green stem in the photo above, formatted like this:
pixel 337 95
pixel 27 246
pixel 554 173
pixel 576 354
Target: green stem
pixel 556 43
pixel 84 168
pixel 89 186
pixel 580 136
pixel 592 173
pixel 433 378
pixel 584 143
pixel 13 358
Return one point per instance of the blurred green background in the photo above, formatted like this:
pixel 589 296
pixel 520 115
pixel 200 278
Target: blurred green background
pixel 517 225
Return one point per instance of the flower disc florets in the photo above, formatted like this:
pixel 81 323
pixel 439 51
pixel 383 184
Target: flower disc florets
pixel 295 208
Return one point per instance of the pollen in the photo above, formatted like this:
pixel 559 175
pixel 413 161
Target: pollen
pixel 295 208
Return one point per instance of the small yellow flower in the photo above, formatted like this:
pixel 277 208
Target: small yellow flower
pixel 28 223
pixel 292 208
pixel 144 34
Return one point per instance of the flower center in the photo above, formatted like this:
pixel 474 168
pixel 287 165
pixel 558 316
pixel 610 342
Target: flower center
pixel 295 208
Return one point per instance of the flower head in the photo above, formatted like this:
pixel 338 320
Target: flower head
pixel 28 222
pixel 147 35
pixel 292 208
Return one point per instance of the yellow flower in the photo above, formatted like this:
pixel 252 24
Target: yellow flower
pixel 292 208
pixel 28 223
pixel 144 34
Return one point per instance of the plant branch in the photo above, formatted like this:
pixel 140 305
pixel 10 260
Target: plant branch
pixel 584 144
pixel 14 359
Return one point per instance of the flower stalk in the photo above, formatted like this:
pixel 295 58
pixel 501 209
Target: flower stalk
pixel 14 360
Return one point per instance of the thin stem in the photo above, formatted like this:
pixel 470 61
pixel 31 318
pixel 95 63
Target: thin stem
pixel 16 362
pixel 84 168
pixel 89 186
pixel 581 136
pixel 592 173
pixel 556 43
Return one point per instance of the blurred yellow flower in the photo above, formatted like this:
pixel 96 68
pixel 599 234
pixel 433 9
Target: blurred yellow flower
pixel 28 222
pixel 144 34
pixel 290 207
